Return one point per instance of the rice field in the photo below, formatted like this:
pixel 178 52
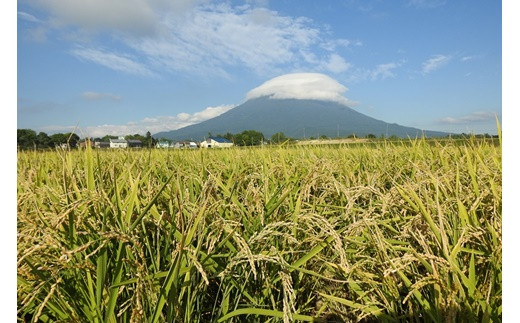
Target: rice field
pixel 401 231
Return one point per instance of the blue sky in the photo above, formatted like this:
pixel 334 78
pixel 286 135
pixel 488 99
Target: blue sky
pixel 131 66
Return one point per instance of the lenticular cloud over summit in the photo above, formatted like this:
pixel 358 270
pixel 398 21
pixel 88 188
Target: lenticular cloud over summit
pixel 309 86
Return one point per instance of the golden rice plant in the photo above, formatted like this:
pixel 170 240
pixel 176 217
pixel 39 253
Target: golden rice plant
pixel 392 231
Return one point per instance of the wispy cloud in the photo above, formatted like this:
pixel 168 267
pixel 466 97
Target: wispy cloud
pixel 435 63
pixel 377 73
pixel 333 44
pixel 383 71
pixel 28 17
pixel 152 124
pixel 335 64
pixel 477 116
pixel 197 37
pixel 37 29
pixel 426 3
pixel 95 96
pixel 211 39
pixel 466 58
pixel 122 63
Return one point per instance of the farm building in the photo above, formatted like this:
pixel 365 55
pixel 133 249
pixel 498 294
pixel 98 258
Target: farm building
pixel 85 143
pixel 216 142
pixel 101 144
pixel 163 144
pixel 190 144
pixel 186 144
pixel 134 143
pixel 118 143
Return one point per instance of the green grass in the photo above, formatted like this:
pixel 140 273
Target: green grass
pixel 394 231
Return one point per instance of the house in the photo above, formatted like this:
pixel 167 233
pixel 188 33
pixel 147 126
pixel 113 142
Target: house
pixel 185 144
pixel 134 143
pixel 101 144
pixel 216 142
pixel 163 144
pixel 118 143
pixel 85 143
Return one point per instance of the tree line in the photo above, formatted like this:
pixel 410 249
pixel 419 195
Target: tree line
pixel 245 138
pixel 29 139
pixel 253 138
pixel 147 140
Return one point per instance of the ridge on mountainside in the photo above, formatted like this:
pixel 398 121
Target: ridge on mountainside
pixel 296 118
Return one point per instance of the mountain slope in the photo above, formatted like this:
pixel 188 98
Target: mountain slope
pixel 296 118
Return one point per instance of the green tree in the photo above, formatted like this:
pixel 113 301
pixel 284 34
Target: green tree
pixel 229 136
pixel 149 140
pixel 26 138
pixel 107 138
pixel 137 137
pixel 43 140
pixel 249 138
pixel 58 139
pixel 278 137
pixel 72 139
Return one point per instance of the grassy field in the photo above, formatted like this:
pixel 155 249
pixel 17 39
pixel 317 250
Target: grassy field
pixel 389 232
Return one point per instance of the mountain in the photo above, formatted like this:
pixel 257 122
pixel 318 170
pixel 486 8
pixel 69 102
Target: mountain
pixel 296 118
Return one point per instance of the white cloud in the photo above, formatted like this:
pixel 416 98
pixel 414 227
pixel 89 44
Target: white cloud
pixel 467 58
pixel 209 39
pixel 477 116
pixel 148 120
pixel 152 124
pixel 123 16
pixel 301 86
pixel 28 17
pixel 210 112
pixel 194 37
pixel 383 71
pixel 37 31
pixel 336 64
pixel 94 96
pixel 122 63
pixel 332 44
pixel 380 72
pixel 435 63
